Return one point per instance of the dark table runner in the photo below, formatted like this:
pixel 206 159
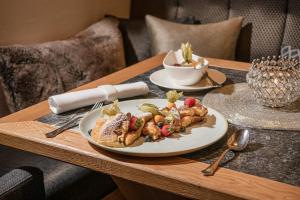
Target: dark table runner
pixel 270 154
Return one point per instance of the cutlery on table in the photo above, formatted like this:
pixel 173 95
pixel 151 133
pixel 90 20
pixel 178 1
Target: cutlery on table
pixel 72 123
pixel 213 82
pixel 236 142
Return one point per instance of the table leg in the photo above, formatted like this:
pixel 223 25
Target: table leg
pixel 135 191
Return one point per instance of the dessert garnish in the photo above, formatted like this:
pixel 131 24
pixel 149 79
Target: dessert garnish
pixel 187 55
pixel 166 130
pixel 117 129
pixel 135 123
pixel 111 111
pixel 148 107
pixel 190 102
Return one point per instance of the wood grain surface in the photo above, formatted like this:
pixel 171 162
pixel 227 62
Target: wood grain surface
pixel 181 176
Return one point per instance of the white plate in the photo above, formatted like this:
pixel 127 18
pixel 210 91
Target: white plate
pixel 195 137
pixel 161 79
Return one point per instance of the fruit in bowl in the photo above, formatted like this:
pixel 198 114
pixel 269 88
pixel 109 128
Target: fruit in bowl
pixel 183 67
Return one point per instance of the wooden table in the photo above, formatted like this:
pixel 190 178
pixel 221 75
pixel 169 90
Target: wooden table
pixel 177 175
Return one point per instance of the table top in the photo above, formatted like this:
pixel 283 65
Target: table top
pixel 181 174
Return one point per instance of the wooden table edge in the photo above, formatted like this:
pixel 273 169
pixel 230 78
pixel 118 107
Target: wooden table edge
pixel 158 175
pixel 41 109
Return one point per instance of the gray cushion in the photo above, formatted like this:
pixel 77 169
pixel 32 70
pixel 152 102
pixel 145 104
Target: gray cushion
pixel 292 26
pixel 216 40
pixel 166 9
pixel 268 24
pixel 31 73
pixel 22 184
pixel 264 21
pixel 136 40
pixel 61 180
pixel 3 105
pixel 207 11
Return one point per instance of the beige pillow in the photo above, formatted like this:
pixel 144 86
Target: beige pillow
pixel 216 40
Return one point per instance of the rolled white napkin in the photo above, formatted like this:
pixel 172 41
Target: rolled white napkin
pixel 72 100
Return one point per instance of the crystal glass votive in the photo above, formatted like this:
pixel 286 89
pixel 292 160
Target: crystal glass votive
pixel 275 81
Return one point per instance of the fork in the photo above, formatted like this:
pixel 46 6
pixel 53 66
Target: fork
pixel 72 123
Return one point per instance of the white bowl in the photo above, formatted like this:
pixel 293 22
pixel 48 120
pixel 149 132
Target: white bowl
pixel 183 75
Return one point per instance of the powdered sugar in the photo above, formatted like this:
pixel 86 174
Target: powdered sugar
pixel 113 124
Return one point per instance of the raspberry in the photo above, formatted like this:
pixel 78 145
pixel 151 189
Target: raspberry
pixel 135 123
pixel 165 130
pixel 190 101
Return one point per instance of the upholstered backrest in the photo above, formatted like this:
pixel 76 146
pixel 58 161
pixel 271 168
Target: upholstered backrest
pixel 268 24
pixel 3 105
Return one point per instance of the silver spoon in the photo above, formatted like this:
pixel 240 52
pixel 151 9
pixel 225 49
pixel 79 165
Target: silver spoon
pixel 237 142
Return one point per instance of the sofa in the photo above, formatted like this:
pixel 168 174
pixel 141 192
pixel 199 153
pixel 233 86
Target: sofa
pixel 24 175
pixel 268 26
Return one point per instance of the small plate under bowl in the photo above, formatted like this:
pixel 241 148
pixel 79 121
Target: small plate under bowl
pixel 160 78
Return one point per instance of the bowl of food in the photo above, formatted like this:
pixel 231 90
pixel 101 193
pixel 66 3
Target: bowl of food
pixel 183 67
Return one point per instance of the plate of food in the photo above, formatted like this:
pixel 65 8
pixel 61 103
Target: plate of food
pixel 154 127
